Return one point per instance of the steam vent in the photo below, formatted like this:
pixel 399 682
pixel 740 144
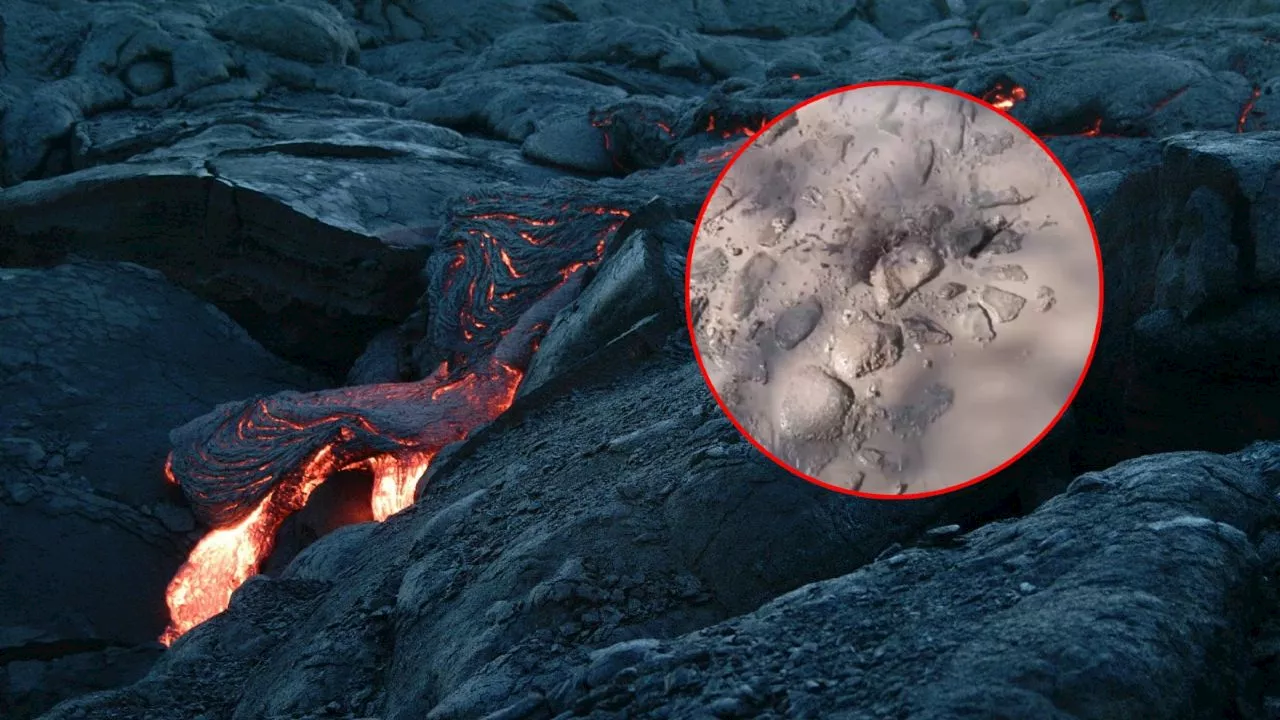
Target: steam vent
pixel 354 359
pixel 894 289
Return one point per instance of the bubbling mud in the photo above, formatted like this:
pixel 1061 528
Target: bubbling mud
pixel 897 295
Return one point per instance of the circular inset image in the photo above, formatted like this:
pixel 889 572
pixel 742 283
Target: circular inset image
pixel 894 290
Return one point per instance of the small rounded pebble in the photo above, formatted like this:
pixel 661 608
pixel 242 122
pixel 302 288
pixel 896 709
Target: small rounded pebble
pixel 865 348
pixel 783 221
pixel 1006 273
pixel 813 405
pixel 1006 241
pixel 796 322
pixel 711 266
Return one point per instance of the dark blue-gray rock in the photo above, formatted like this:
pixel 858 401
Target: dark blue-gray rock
pixel 147 77
pixel 630 286
pixel 314 33
pixel 711 529
pixel 1201 268
pixel 218 188
pixel 570 142
pixel 897 19
pixel 1189 323
pixel 294 162
pixel 99 361
pixel 32 125
pixel 1010 621
pixel 1097 189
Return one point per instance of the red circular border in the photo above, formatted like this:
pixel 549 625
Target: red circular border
pixel 688 309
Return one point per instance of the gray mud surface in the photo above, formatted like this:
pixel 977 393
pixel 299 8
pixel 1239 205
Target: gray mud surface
pixel 897 291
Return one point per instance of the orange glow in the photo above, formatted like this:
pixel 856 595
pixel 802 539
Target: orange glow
pixel 1247 110
pixel 506 260
pixel 598 210
pixel 344 428
pixel 394 481
pixel 1005 95
pixel 665 128
pixel 711 123
pixel 512 217
pixel 571 269
pixel 717 157
pixel 226 557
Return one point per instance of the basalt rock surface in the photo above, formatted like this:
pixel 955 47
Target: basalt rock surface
pixel 609 546
pixel 97 359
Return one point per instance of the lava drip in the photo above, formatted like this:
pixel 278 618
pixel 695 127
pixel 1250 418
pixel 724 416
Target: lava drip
pixel 502 270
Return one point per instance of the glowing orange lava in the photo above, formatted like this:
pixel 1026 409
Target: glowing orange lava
pixel 248 466
pixel 1247 110
pixel 395 480
pixel 1005 95
pixel 506 260
pixel 227 556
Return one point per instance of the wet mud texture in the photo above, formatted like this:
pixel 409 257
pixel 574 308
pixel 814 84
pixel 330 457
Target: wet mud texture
pixel 895 292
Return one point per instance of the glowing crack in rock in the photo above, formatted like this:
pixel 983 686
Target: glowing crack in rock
pixel 628 130
pixel 498 280
pixel 1248 109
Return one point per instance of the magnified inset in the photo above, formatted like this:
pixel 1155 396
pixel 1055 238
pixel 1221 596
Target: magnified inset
pixel 894 290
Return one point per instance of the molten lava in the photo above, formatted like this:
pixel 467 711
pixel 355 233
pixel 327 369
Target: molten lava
pixel 394 481
pixel 393 429
pixel 1247 110
pixel 1005 94
pixel 246 466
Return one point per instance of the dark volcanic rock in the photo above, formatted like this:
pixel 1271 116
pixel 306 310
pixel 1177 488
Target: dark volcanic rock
pixel 231 232
pixel 1190 319
pixel 300 33
pixel 377 190
pixel 630 287
pixel 1009 622
pixel 541 506
pixel 98 361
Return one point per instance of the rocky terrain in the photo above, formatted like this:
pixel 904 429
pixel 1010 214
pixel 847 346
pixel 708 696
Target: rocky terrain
pixel 204 202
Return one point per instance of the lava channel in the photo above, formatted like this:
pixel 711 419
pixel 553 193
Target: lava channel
pixel 246 466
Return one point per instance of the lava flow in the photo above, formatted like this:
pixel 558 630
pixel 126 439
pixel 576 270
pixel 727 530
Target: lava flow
pixel 246 466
